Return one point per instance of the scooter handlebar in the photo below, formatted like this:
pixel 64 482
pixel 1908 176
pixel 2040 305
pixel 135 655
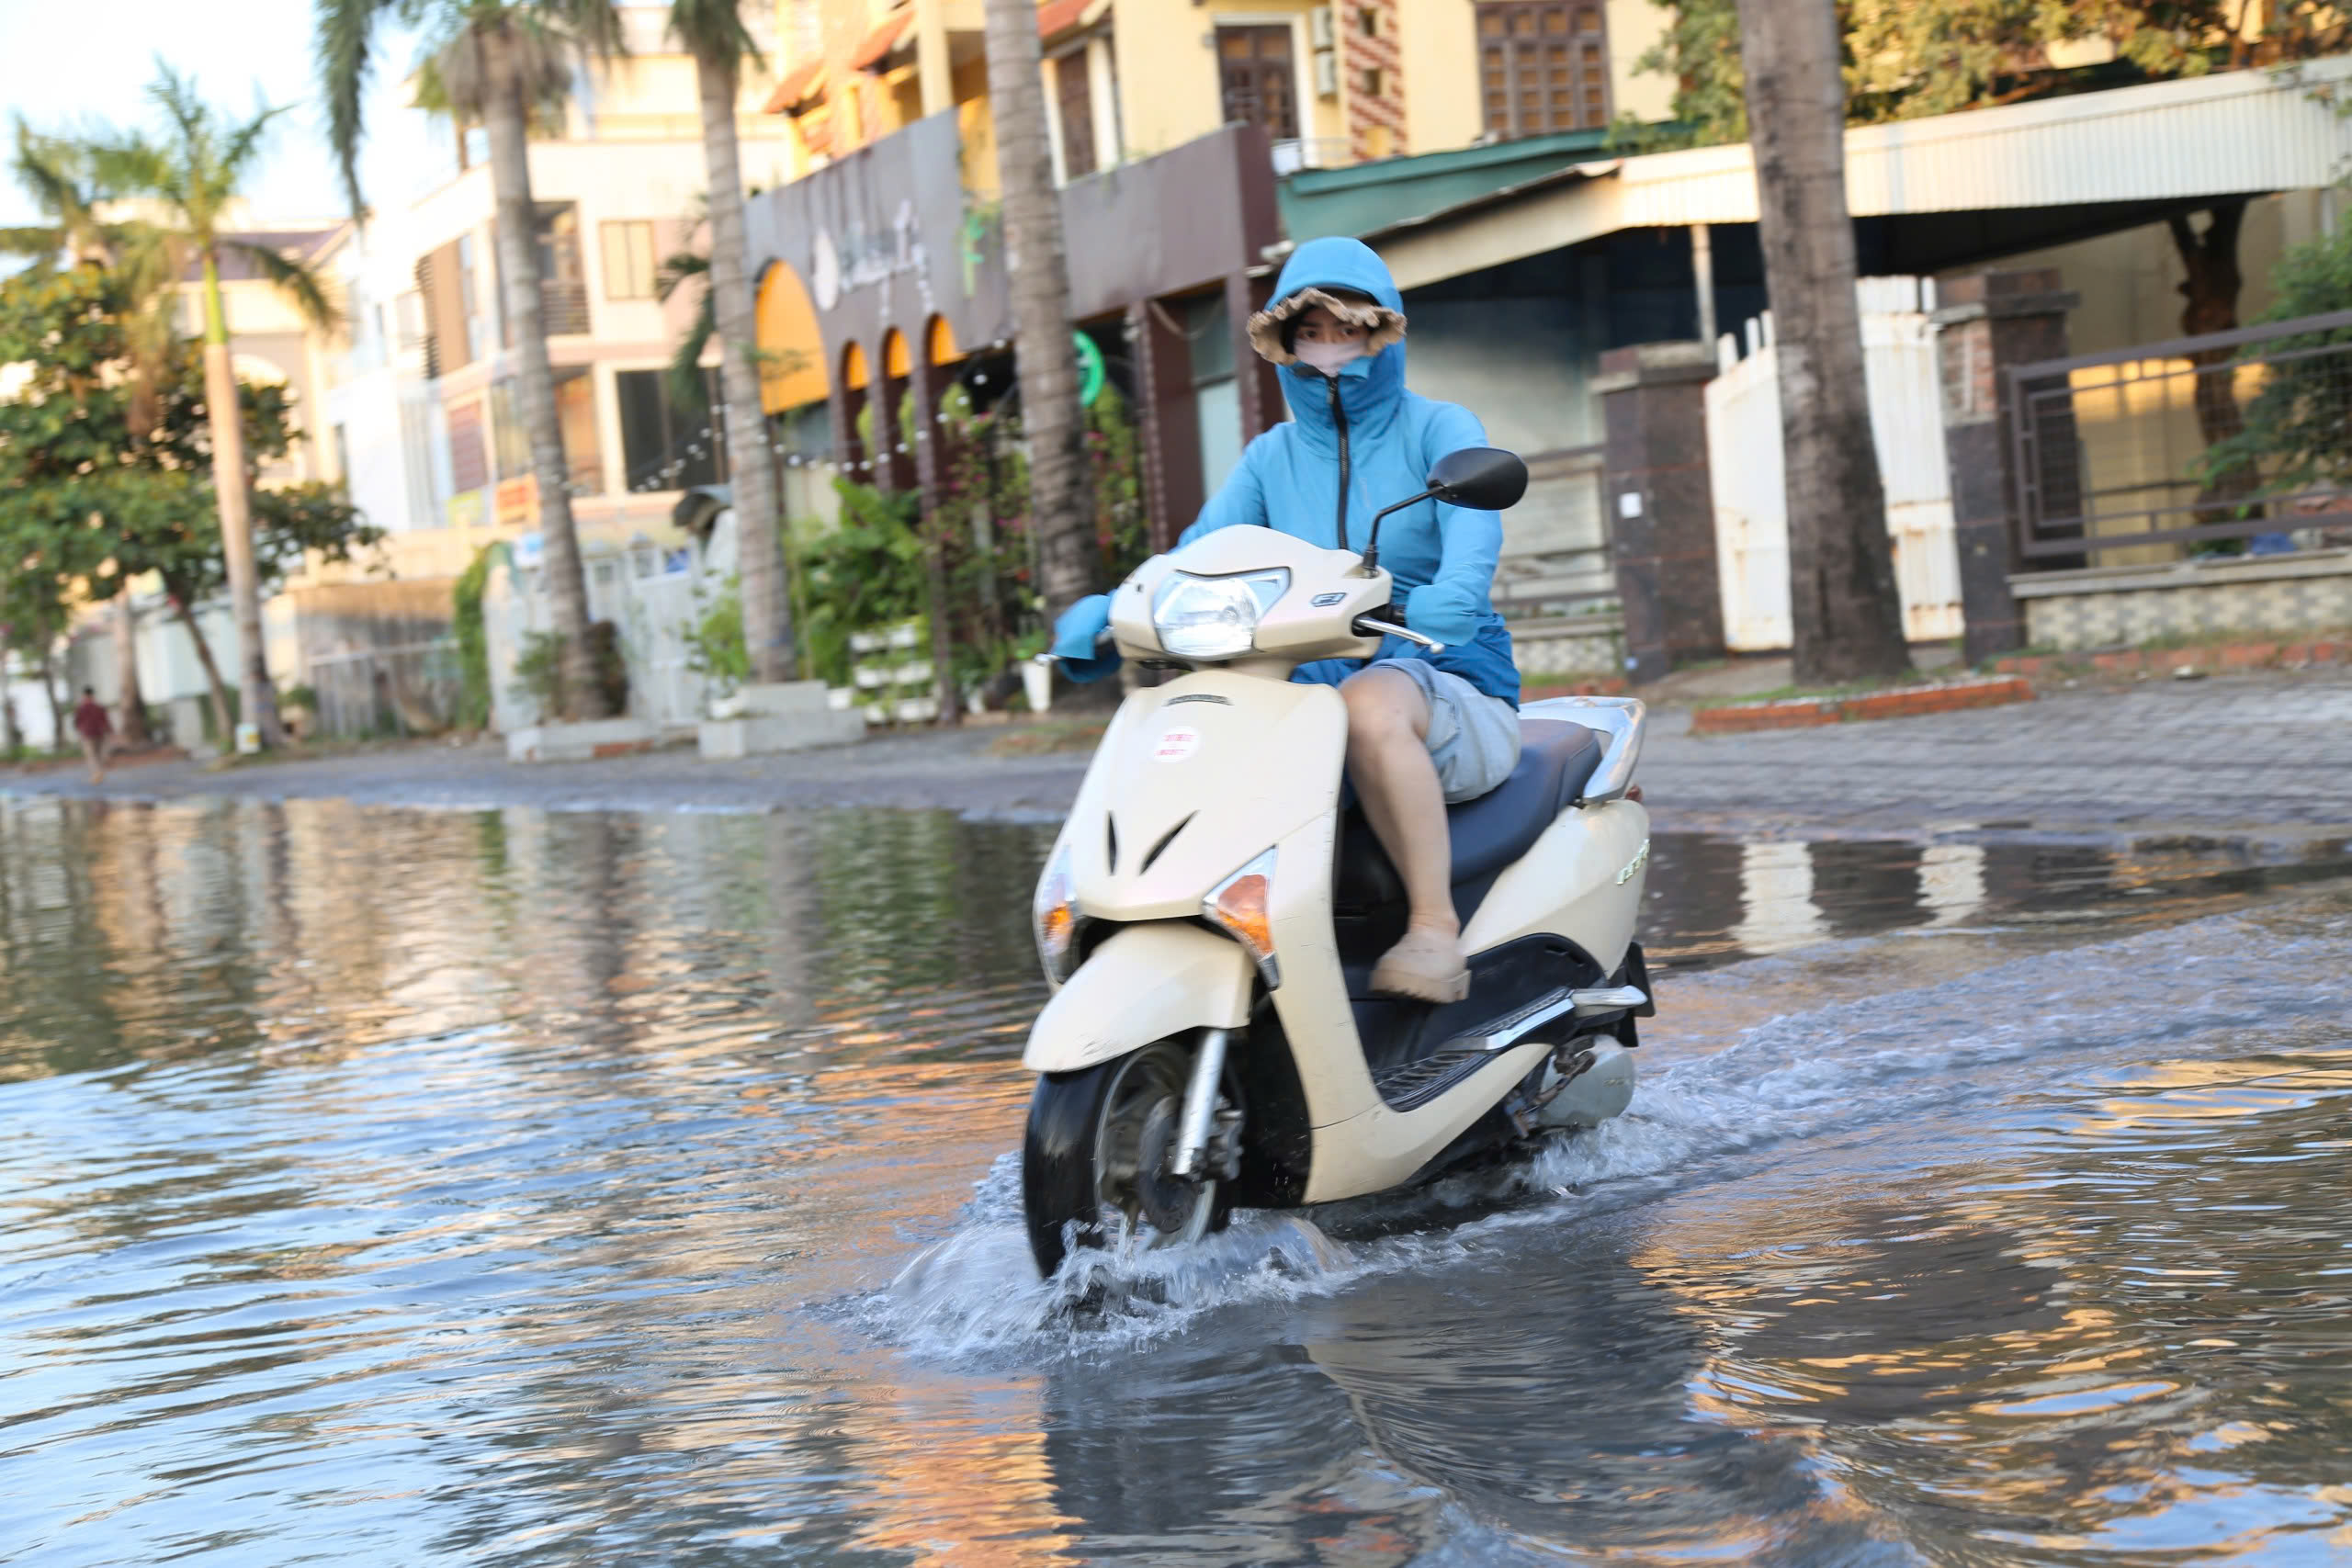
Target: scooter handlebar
pixel 1373 626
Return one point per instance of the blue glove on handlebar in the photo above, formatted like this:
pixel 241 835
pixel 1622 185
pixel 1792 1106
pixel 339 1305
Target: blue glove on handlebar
pixel 1076 634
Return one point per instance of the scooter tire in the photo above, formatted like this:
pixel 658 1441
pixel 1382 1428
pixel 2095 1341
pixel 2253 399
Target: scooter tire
pixel 1058 1182
pixel 1057 1175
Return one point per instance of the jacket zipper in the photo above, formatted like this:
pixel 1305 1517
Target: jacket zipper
pixel 1340 420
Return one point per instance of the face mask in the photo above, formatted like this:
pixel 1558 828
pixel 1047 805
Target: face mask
pixel 1330 358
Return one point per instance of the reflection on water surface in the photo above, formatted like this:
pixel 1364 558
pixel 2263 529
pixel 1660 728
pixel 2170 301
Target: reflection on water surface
pixel 528 1188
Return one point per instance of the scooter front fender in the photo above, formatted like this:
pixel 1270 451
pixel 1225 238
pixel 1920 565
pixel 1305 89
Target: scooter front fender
pixel 1145 982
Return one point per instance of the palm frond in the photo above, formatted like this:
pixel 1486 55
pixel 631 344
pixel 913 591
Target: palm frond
pixel 35 242
pixel 134 163
pixel 454 79
pixel 346 29
pixel 688 386
pixel 59 176
pixel 245 144
pixel 677 271
pixel 715 31
pixel 191 120
pixel 152 262
pixel 293 278
pixel 593 25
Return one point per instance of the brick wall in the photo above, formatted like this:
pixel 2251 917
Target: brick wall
pixel 1374 90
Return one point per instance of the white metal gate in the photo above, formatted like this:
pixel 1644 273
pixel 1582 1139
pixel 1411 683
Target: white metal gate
pixel 655 601
pixel 1743 458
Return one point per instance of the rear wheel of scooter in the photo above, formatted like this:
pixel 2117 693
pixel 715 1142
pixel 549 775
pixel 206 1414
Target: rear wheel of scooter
pixel 1094 1164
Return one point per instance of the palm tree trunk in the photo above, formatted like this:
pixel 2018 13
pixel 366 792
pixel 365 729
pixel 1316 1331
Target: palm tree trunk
pixel 1060 491
pixel 518 260
pixel 224 728
pixel 225 423
pixel 131 723
pixel 751 461
pixel 1846 607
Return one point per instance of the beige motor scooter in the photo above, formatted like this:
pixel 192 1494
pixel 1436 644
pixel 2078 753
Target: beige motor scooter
pixel 1210 915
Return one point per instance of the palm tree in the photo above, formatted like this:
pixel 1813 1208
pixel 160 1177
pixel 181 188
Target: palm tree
pixel 1061 494
pixel 714 33
pixel 62 177
pixel 194 175
pixel 496 61
pixel 1847 609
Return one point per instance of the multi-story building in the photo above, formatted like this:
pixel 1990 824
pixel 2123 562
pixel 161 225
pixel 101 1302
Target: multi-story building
pixel 426 400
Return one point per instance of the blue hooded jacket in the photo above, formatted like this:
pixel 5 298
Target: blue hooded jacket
pixel 1442 558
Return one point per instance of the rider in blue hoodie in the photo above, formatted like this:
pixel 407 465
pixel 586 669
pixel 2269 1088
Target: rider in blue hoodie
pixel 1423 731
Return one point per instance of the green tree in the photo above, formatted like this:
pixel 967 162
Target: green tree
pixel 498 63
pixel 193 171
pixel 714 33
pixel 95 497
pixel 2296 432
pixel 1938 56
pixel 68 181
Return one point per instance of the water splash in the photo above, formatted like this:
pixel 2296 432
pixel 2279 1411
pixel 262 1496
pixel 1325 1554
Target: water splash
pixel 1803 1074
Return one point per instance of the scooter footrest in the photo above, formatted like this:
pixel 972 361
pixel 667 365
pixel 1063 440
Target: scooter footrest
pixel 1409 1084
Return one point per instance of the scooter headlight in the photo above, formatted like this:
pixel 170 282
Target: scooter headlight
pixel 1241 907
pixel 1214 617
pixel 1054 913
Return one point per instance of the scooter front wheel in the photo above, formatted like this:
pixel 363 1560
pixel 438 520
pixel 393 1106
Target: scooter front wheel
pixel 1094 1163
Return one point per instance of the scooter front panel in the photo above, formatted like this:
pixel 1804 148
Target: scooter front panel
pixel 1199 777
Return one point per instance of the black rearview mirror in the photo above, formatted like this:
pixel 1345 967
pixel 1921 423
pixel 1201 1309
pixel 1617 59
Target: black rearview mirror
pixel 1485 478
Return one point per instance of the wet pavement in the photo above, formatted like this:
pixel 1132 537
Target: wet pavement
pixel 524 1186
pixel 2260 759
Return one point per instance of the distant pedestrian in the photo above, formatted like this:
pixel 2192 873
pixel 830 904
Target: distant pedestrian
pixel 96 730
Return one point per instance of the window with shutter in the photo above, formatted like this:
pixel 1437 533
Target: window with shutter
pixel 1074 96
pixel 1542 66
pixel 1259 78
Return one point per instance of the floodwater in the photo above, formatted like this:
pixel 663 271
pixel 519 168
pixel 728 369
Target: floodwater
pixel 403 1187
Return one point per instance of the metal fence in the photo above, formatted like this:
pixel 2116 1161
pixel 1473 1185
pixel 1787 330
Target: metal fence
pixel 2200 443
pixel 411 689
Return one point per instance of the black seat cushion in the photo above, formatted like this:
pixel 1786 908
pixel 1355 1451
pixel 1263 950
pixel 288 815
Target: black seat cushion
pixel 1556 759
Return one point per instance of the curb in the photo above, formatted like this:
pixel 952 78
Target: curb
pixel 1906 702
pixel 2162 660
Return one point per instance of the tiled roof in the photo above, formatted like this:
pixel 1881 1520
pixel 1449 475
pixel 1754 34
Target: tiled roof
pixel 877 44
pixel 796 88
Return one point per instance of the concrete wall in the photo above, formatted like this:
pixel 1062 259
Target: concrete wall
pixel 2117 606
pixel 1635 27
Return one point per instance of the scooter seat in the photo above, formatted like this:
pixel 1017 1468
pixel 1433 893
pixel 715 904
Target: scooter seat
pixel 1556 759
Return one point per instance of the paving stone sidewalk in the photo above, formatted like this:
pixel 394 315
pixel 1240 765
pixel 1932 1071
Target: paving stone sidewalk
pixel 2263 758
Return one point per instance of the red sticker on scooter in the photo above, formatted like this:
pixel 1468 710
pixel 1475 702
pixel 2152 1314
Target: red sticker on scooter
pixel 1176 745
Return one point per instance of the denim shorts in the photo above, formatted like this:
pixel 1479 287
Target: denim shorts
pixel 1474 739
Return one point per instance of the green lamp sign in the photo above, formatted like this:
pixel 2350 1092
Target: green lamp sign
pixel 1092 374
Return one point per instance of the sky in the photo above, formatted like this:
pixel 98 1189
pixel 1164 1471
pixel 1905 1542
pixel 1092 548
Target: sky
pixel 64 61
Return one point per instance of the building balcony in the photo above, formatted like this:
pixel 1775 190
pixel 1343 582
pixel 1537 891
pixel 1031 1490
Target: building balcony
pixel 565 308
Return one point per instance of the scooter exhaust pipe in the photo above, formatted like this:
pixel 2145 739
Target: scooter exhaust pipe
pixel 1200 1105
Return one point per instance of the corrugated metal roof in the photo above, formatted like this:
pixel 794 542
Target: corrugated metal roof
pixel 2231 133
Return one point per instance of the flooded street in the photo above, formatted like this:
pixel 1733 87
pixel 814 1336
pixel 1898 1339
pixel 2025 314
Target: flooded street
pixel 526 1187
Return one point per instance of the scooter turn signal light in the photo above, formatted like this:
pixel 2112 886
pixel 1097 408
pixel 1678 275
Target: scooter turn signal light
pixel 1241 905
pixel 1054 912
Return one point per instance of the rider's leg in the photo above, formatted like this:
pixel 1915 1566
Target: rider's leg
pixel 1388 759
